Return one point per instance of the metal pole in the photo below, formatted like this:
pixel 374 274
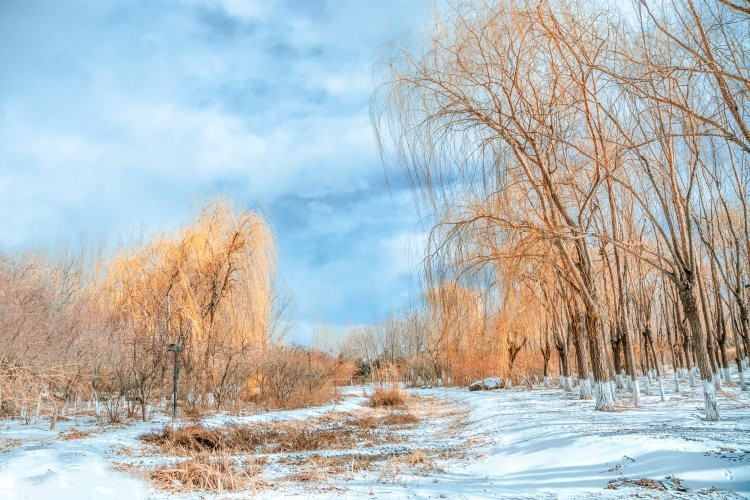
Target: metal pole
pixel 175 348
pixel 174 392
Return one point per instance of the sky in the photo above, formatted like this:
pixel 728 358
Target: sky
pixel 118 118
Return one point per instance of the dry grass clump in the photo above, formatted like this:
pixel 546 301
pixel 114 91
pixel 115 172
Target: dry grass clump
pixel 390 397
pixel 204 472
pixel 364 422
pixel 643 482
pixel 317 439
pixel 277 437
pixel 75 434
pixel 370 422
pixel 8 444
pixel 320 469
pixel 416 457
pixel 400 418
pixel 196 439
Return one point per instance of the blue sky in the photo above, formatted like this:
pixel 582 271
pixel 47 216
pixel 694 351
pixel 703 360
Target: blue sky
pixel 118 118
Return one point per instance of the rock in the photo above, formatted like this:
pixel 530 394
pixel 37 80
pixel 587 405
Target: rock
pixel 486 384
pixel 492 383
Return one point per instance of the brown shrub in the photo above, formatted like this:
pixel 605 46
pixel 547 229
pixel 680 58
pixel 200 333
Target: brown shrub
pixel 295 377
pixel 387 397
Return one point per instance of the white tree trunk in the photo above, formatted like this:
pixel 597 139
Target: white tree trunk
pixel 585 387
pixel 743 387
pixel 709 396
pixel 676 382
pixel 567 384
pixel 661 388
pixel 637 392
pixel 605 400
pixel 717 381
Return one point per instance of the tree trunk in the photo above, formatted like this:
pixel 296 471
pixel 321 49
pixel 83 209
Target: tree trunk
pixel 580 346
pixel 617 361
pixel 690 306
pixel 603 388
pixel 562 353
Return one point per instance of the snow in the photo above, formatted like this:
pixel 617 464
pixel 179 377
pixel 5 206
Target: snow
pixel 518 443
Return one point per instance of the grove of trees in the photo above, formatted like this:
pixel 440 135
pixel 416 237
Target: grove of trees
pixel 92 334
pixel 586 173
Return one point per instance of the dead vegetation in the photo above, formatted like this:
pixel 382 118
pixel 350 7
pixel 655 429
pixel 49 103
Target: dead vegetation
pixel 317 453
pixel 400 418
pixel 389 397
pixel 276 437
pixel 207 472
pixel 71 434
pixel 644 482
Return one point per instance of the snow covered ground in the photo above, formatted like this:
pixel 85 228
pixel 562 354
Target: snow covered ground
pixel 484 444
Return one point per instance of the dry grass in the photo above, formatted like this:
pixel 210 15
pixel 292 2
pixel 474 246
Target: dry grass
pixel 416 457
pixel 644 482
pixel 416 461
pixel 391 397
pixel 197 439
pixel 8 444
pixel 400 418
pixel 204 472
pixel 276 437
pixel 75 434
pixel 364 422
pixel 217 458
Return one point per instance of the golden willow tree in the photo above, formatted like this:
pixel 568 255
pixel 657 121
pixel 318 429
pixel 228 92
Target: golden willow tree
pixel 206 286
pixel 596 135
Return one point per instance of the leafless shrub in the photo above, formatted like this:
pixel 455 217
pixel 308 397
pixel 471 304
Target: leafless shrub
pixel 294 377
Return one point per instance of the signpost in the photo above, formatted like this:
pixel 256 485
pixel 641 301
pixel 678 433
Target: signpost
pixel 175 348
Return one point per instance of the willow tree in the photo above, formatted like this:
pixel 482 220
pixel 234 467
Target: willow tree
pixel 597 122
pixel 207 286
pixel 487 105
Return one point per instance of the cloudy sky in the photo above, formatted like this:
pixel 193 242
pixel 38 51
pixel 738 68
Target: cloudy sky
pixel 118 118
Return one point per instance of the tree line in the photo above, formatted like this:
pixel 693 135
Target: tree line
pixel 86 333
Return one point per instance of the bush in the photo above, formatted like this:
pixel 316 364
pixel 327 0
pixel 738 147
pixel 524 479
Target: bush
pixel 387 397
pixel 295 377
